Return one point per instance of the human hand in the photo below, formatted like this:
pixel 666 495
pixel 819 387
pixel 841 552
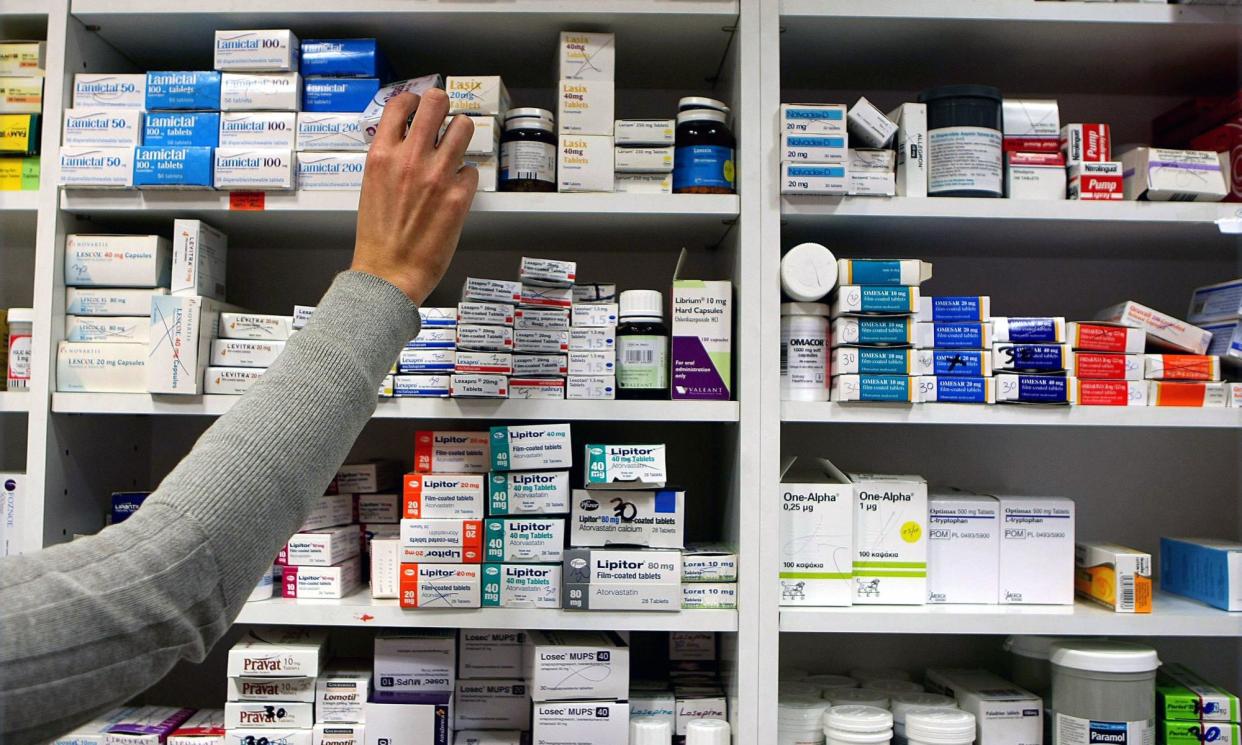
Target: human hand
pixel 415 194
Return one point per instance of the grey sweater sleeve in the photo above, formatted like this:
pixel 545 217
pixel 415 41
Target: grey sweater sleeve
pixel 89 624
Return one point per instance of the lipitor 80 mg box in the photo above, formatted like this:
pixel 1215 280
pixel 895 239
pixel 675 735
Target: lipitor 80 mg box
pixel 530 447
pixel 650 519
pixel 890 539
pixel 528 493
pixel 624 466
pixel 278 652
pixel 613 579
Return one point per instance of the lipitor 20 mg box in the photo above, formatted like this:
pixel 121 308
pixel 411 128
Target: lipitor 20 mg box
pixel 440 585
pixel 451 452
pixel 457 496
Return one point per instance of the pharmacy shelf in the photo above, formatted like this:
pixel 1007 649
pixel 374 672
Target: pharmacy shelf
pixel 1012 415
pixel 1173 49
pixel 14 402
pixel 360 609
pixel 445 408
pixel 667 217
pixel 19 201
pixel 22 9
pixel 1171 616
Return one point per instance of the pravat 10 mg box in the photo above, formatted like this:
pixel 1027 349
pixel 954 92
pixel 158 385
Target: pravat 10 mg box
pixel 279 652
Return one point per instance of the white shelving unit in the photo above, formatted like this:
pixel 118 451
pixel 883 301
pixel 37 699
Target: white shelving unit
pixel 1013 416
pixel 14 402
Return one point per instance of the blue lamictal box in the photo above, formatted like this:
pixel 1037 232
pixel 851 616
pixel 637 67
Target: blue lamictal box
pixel 182 129
pixel 341 95
pixel 174 90
pixel 173 167
pixel 343 57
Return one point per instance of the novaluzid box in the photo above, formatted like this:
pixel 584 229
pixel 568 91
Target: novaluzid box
pixel 1114 576
pixel 343 58
pixel 181 129
pixel 117 260
pixel 614 579
pixel 890 539
pixel 199 260
pixel 330 131
pixel 278 652
pixel 180 342
pixel 110 91
pixel 440 585
pixel 458 496
pixel 87 301
pixel 173 167
pixel 530 447
pixel 256 51
pixel 521 586
pixel 452 452
pixel 258 129
pixel 816 536
pixel 371 477
pixel 103 127
pixel 261 715
pixel 321 548
pixel 650 519
pixel 1036 551
pixel 576 665
pixel 255 169
pixel 963 547
pixel 625 466
pixel 1185 696
pixel 899 272
pixel 1205 569
pixel 183 91
pixel 97 167
pixel 524 539
pixel 702 340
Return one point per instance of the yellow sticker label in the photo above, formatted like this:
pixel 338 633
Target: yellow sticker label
pixel 728 171
pixel 911 532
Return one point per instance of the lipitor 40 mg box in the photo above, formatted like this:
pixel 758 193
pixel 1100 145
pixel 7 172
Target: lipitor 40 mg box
pixel 528 493
pixel 524 539
pixel 530 447
pixel 625 467
pixel 521 586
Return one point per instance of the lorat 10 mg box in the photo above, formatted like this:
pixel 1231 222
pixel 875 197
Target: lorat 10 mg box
pixel 652 519
pixel 625 467
pixel 647 580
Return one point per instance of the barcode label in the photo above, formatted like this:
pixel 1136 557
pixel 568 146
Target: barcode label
pixel 1127 593
pixel 633 356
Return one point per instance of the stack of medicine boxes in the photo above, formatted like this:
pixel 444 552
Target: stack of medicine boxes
pixel 272 676
pixel 105 125
pixel 954 356
pixel 541 328
pixel 426 363
pixel 485 100
pixel 1180 373
pixel 21 101
pixel 1217 309
pixel 1191 709
pixel 180 134
pixel 814 149
pixel 1106 364
pixel 1093 174
pixel 578 680
pixel 491 703
pixel 1034 165
pixel 247 345
pixel 110 280
pixel 874 329
pixel 643 157
pixel 260 95
pixel 592 343
pixel 1030 357
pixel 340 77
pixel 484 338
pixel 870 169
pixel 585 112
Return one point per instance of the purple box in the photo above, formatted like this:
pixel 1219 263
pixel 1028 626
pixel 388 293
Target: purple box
pixel 702 340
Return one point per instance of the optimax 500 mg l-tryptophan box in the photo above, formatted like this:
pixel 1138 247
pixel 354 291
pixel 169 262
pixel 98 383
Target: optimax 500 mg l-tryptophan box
pixel 890 539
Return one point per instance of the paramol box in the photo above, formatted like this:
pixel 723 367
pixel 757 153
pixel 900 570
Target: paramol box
pixel 278 652
pixel 576 665
pixel 624 467
pixel 524 539
pixel 1184 695
pixel 530 447
pixel 643 580
pixel 451 452
pixel 890 539
pixel 816 536
pixel 652 519
pixel 528 493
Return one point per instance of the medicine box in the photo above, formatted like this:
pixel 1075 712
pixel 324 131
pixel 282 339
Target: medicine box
pixel 709 596
pixel 963 544
pixel 1035 176
pixel 255 51
pixel 576 665
pixel 708 563
pixel 1086 143
pixel 255 169
pixel 442 533
pixel 109 91
pixel 554 319
pixel 103 127
pixel 587 56
pixel 148 725
pixel 547 272
pixel 528 493
pixel 893 272
pixel 21 95
pixel 281 91
pixel 868 126
pixel 585 107
pixel 1031 126
pixel 540 341
pixel 530 447
pixel 1030 357
pixel 342 58
pixel 1183 695
pixel 193 91
pixel 278 652
pixel 323 171
pixel 650 519
pixel 245 352
pixel 1162 330
pixel 457 496
pixel 117 260
pixel 200 729
pixel 180 340
pixel 283 736
pixel 1036 551
pixel 451 452
pixel 1226 339
pixel 88 301
pixel 544 389
pixel 390 722
pixel 1028 330
pixel 871 184
pixel 440 585
pixel 124 504
pixel 378 508
pixel 1004 713
pixel 871 161
pixel 954 308
pixel 476 290
pixel 487 313
pixel 413 361
pixel 1193 367
pixel 172 167
pixel 199 259
pixel 1105 337
pixel 491 704
pixel 321 548
pixel 705 702
pixel 415 662
pixel 814 149
pixel 1161 175
pixel 536 296
pixel 1175 732
pixel 474 385
pixel 258 129
pixel 592 339
pixel 1096 182
pixel 477 95
pixel 97 167
pixel 890 539
pixel 590 387
pixel 585 163
pixel 336 733
pixel 957 389
pixel 492 363
pixel 594 315
pixel 23 58
pixel 822 179
pixel 371 477
pixel 257 688
pixel 911 147
pixel 628 580
pixel 1165 393
pixel 328 511
pixel 624 466
pixel 535 539
pixel 134 329
pixel 643 183
pixel 898 330
pixel 331 131
pixel 181 129
pixel 702 340
pixel 592 363
pixel 491 653
pixel 1205 569
pixel 254 326
pixel 338 95
pixel 486 138
pixel 1114 576
pixel 596 722
pixel 892 388
pixel 521 586
pixel 644 132
pixel 816 536
pixel 19 174
pixel 1216 302
pixel 874 299
pixel 1105 366
pixel 259 715
pixel 375 109
pixel 1032 389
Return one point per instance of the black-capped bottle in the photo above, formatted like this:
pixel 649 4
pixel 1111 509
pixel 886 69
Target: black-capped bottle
pixel 528 151
pixel 642 346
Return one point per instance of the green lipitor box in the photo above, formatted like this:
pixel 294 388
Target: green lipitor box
pixel 1184 695
pixel 1177 732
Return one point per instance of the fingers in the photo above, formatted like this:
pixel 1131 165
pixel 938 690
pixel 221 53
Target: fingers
pixel 456 139
pixel 421 138
pixel 467 180
pixel 397 112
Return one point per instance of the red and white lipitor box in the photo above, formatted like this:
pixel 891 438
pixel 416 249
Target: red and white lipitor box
pixel 1197 367
pixel 1107 392
pixel 1100 336
pixel 1086 143
pixel 1105 366
pixel 1196 395
pixel 321 583
pixel 1097 182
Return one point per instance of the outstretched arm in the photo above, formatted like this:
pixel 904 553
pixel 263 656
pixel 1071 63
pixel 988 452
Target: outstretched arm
pixel 89 624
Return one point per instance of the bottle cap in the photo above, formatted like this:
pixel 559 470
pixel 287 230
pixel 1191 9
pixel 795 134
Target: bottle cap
pixel 852 718
pixel 650 731
pixel 642 304
pixel 707 732
pixel 889 687
pixel 808 272
pixel 528 122
pixel 701 102
pixel 698 115
pixel 529 112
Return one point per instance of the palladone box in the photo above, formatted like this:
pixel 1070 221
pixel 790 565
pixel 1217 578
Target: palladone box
pixel 179 340
pixel 281 91
pixel 552 319
pixel 898 388
pixel 486 314
pixel 534 539
pixel 530 447
pixel 473 385
pixel 650 519
pixel 1114 576
pixel 1028 330
pixel 199 258
pixel 1036 551
pixel 592 339
pixel 591 387
pixel 326 171
pixel 258 129
pixel 709 596
pixel 890 539
pixel 490 291
pixel 1105 337
pixel 828 179
pixel 545 389
pixel 624 466
pixel 957 390
pixel 440 585
pixel 644 132
pixel 109 91
pixel 963 547
pixel 255 169
pixel 110 302
pixel 103 127
pixel 245 352
pixel 814 149
pixel 453 496
pixel 491 704
pixel 493 363
pixel 260 715
pixel 577 665
pixel 613 579
pixel 321 548
pixel 254 326
pixel 528 493
pixel 330 131
pixel 708 563
pixel 442 533
pixel 84 367
pixel 1196 367
pixel 181 129
pixel 521 586
pixel 142 261
pixel 173 167
pixel 254 51
pixel 1195 395
pixel 97 167
pixel 134 329
pixel 252 688
pixel 1105 366
pixel 452 452
pixel 278 652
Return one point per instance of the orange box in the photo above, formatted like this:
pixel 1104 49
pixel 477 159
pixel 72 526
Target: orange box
pixel 1114 576
pixel 452 452
pixel 1199 367
pixel 1203 395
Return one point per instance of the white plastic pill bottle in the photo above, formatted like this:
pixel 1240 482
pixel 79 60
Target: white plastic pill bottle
pixel 800 721
pixel 857 697
pixel 708 732
pixel 865 674
pixel 901 704
pixel 808 272
pixel 827 682
pixel 1029 667
pixel 890 686
pixel 804 352
pixel 1103 688
pixel 21 326
pixel 940 727
pixel 858 725
pixel 650 731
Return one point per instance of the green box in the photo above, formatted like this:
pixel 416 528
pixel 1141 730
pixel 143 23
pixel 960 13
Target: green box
pixel 1177 732
pixel 1183 694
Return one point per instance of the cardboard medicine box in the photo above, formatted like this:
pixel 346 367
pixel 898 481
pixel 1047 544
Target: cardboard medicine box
pixel 890 539
pixel 816 536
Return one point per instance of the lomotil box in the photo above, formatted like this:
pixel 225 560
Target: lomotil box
pixel 890 539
